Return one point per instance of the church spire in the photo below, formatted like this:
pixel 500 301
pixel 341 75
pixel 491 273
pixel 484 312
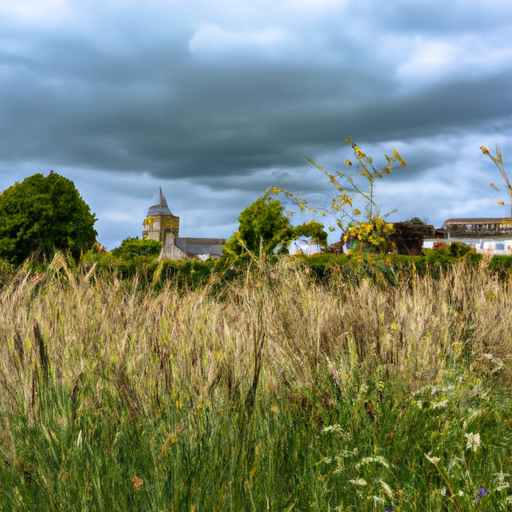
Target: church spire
pixel 163 207
pixel 160 221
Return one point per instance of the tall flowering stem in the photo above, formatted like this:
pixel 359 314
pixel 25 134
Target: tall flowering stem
pixel 342 207
pixel 498 161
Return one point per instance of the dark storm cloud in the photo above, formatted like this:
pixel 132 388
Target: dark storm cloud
pixel 225 99
pixel 198 120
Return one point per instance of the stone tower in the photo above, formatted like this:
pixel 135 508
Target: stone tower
pixel 160 222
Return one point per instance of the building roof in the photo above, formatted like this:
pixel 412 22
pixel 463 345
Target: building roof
pixel 476 227
pixel 478 221
pixel 159 209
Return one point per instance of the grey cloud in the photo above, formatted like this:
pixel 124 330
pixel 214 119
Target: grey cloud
pixel 129 94
pixel 433 16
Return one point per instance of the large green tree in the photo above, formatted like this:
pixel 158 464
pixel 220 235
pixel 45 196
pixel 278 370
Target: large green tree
pixel 43 214
pixel 264 222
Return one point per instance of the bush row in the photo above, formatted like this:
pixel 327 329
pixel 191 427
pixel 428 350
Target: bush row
pixel 191 274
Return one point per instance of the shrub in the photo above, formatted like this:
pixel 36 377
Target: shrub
pixel 131 248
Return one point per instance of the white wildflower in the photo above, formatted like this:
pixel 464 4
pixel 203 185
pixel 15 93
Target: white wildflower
pixel 418 403
pixel 376 458
pixel 440 405
pixel 387 488
pixel 336 429
pixel 340 466
pixel 358 481
pixel 472 441
pixel 432 459
pixel 474 414
pixel 332 428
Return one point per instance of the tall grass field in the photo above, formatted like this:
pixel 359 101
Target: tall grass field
pixel 274 392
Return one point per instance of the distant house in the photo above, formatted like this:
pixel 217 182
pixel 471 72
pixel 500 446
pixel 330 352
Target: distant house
pixel 488 235
pixel 478 227
pixel 160 224
pixel 304 245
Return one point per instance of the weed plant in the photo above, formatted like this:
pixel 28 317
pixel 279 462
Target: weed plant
pixel 281 393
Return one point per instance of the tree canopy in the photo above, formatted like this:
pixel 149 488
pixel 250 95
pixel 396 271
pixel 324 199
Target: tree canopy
pixel 131 248
pixel 43 214
pixel 264 221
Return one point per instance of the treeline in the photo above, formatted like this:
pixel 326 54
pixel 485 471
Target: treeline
pixel 46 215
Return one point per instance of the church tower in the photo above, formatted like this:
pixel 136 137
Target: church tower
pixel 160 222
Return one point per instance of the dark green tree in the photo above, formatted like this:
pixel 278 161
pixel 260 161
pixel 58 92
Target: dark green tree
pixel 44 214
pixel 131 248
pixel 264 222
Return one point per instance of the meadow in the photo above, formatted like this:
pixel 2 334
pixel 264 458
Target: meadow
pixel 273 391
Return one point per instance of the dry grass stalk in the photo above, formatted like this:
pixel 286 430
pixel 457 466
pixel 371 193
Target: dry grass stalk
pixel 194 346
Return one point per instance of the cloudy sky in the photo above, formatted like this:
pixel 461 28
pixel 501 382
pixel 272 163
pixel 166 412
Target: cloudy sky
pixel 215 101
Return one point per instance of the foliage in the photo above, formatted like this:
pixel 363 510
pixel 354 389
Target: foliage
pixel 498 161
pixel 455 250
pixel 264 224
pixel 43 214
pixel 501 264
pixel 7 271
pixel 369 398
pixel 342 206
pixel 185 274
pixel 148 222
pixel 133 247
pixel 353 267
pixel 149 273
pixel 264 220
pixel 392 268
pixel 444 466
pixel 312 229
pixel 369 236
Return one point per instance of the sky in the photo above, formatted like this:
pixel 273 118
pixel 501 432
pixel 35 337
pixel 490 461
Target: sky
pixel 217 101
